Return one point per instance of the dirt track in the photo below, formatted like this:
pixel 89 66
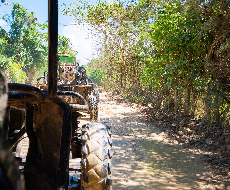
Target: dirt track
pixel 146 158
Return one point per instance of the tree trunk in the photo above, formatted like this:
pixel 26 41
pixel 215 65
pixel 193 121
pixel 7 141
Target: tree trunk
pixel 175 98
pixel 187 99
pixel 207 110
pixel 121 77
pixel 216 111
pixel 193 101
pixel 30 77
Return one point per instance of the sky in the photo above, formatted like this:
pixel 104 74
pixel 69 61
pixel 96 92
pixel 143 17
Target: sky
pixel 80 35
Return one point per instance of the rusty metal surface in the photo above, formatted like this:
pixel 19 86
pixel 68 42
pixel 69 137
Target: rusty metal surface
pixel 26 89
pixel 63 173
pixel 75 94
pixel 20 96
pixel 52 47
pixel 48 123
pixel 77 107
pixel 80 86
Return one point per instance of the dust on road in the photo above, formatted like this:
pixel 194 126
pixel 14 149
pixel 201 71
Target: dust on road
pixel 144 157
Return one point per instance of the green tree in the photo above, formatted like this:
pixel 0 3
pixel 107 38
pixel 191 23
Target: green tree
pixel 119 26
pixel 25 43
pixel 96 72
pixel 65 47
pixel 173 52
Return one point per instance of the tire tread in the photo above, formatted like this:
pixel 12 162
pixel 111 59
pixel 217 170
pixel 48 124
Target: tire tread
pixel 96 164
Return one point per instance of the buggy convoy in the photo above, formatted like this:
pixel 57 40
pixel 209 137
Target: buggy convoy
pixel 48 112
pixel 72 79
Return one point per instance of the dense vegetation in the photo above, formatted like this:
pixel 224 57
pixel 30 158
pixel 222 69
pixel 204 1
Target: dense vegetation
pixel 24 48
pixel 172 53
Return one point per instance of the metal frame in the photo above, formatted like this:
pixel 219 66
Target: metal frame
pixel 31 99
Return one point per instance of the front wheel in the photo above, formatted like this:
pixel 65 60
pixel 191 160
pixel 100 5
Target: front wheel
pixel 97 153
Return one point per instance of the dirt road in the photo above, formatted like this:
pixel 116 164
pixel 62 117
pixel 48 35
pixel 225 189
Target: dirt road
pixel 144 157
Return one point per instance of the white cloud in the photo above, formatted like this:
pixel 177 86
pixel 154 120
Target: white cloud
pixel 83 38
pixel 2 23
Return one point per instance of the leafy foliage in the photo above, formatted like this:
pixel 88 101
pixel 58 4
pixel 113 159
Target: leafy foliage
pixel 65 47
pixel 24 44
pixel 24 48
pixel 172 53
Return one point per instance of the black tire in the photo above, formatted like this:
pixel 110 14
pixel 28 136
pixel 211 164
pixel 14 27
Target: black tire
pixel 93 108
pixel 97 154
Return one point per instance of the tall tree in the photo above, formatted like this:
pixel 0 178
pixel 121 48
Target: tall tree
pixel 65 47
pixel 119 25
pixel 25 43
pixel 173 52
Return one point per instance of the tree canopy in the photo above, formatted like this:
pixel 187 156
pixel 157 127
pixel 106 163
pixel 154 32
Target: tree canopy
pixel 24 48
pixel 172 53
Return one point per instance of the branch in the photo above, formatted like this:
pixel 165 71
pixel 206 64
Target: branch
pixel 213 45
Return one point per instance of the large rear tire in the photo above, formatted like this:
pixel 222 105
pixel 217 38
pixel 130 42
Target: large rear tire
pixel 97 153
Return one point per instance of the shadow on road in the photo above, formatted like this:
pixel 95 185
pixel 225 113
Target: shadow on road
pixel 144 158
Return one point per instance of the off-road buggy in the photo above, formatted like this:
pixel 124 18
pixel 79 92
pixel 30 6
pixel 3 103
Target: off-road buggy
pixel 72 79
pixel 48 113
